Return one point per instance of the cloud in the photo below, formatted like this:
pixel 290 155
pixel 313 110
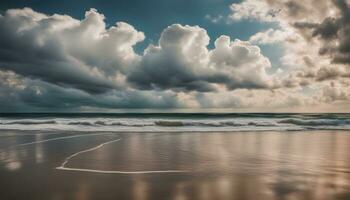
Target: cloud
pixel 270 36
pixel 322 25
pixel 65 51
pixel 315 38
pixel 253 9
pixel 281 11
pixel 179 61
pixel 182 61
pixel 58 63
pixel 332 93
pixel 85 54
pixel 335 34
pixel 327 21
pixel 20 94
pixel 243 62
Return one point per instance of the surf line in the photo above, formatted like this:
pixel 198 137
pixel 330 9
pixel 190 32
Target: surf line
pixel 63 165
pixel 59 138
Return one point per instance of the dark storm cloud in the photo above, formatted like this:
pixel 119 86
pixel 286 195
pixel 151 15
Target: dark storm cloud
pixel 22 94
pixel 170 76
pixel 328 29
pixel 334 32
pixel 303 25
pixel 55 97
pixel 294 8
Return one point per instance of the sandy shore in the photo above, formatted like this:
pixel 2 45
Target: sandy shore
pixel 151 166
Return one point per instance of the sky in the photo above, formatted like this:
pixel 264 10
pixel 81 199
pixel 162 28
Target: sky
pixel 250 55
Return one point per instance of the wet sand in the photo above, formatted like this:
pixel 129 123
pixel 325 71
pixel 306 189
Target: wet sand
pixel 151 166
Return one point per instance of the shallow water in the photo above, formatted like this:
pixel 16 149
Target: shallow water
pixel 299 165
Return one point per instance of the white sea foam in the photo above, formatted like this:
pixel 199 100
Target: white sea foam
pixel 121 172
pixel 84 151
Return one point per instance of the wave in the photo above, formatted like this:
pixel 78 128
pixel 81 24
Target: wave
pixel 140 123
pixel 81 123
pixel 179 123
pixel 103 123
pixel 164 123
pixel 319 122
pixel 29 122
pixel 192 123
pixel 212 123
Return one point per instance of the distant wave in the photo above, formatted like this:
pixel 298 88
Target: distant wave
pixel 193 123
pixel 81 123
pixel 30 122
pixel 179 123
pixel 140 123
pixel 164 123
pixel 102 123
pixel 319 122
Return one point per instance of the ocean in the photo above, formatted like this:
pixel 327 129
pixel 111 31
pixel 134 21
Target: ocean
pixel 176 156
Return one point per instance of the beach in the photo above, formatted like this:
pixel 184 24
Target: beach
pixel 175 100
pixel 303 165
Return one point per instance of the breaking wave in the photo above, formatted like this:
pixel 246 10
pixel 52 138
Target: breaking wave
pixel 255 122
pixel 319 122
pixel 29 122
pixel 194 123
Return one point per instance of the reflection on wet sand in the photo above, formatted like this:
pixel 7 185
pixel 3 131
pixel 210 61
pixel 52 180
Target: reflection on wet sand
pixel 262 165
